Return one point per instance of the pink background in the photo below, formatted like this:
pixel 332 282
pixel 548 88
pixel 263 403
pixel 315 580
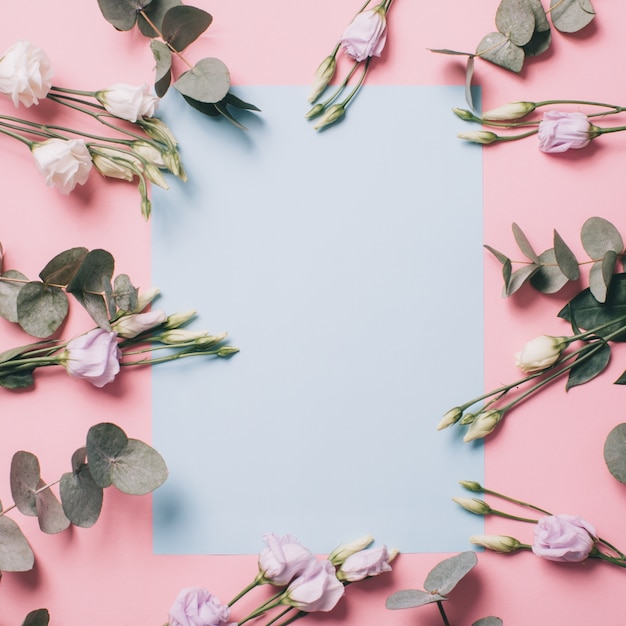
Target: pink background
pixel 550 449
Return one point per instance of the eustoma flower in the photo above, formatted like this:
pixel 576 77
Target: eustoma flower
pixel 94 357
pixel 283 559
pixel 128 102
pixel 198 607
pixel 365 563
pixel 540 353
pixel 566 538
pixel 25 74
pixel 64 163
pixel 316 589
pixel 560 131
pixel 366 35
pixel 130 326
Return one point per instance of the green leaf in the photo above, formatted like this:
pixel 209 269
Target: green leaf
pixel 138 469
pixel 15 553
pixel 208 81
pixel 410 598
pixel 8 294
pixel 125 293
pixel 445 576
pixel 52 520
pixel 507 271
pixel 104 442
pixel 203 107
pixel 588 367
pixel 232 100
pixel 39 617
pixel 601 274
pixel 539 43
pixel 182 25
pixel 599 235
pixel 17 380
pixel 41 309
pixel 570 16
pixel 450 52
pixel 122 14
pixel 501 257
pixel 549 278
pixel 25 475
pixel 496 48
pixel 524 244
pixel 488 621
pixel 222 109
pixel 565 258
pixel 469 76
pixel 61 269
pixel 155 12
pixel 541 19
pixel 91 280
pixel 80 496
pixel 520 276
pixel 516 20
pixel 615 452
pixel 163 73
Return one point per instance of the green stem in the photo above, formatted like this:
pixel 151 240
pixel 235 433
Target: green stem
pixel 520 502
pixel 274 601
pixel 358 85
pixel 282 614
pixel 170 357
pixel 293 618
pixel 76 92
pixel 245 590
pixel 29 143
pixel 442 612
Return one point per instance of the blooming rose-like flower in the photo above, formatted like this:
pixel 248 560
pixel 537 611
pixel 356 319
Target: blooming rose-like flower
pixel 316 589
pixel 540 353
pixel 65 163
pixel 560 131
pixel 128 102
pixel 366 34
pixel 130 326
pixel 94 357
pixel 198 607
pixel 565 538
pixel 365 563
pixel 283 559
pixel 25 73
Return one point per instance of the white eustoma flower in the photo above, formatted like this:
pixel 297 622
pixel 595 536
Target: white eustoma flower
pixel 128 102
pixel 25 73
pixel 65 163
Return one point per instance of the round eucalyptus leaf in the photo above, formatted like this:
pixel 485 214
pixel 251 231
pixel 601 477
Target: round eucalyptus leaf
pixel 61 269
pixel 443 578
pixel 549 278
pixel 516 20
pixel 539 42
pixel 570 16
pixel 496 48
pixel 565 258
pixel 519 277
pixel 163 72
pixel 183 24
pixel 41 309
pixel 104 442
pixel 410 598
pixel 541 19
pixel 124 293
pixel 50 513
pixel 8 294
pixel 25 475
pixel 599 235
pixel 38 617
pixel 488 621
pixel 589 364
pixel 15 553
pixel 79 459
pixel 81 498
pixel 138 469
pixel 615 452
pixel 122 14
pixel 155 12
pixel 208 81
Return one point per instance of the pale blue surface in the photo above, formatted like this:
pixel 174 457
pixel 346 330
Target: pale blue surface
pixel 347 267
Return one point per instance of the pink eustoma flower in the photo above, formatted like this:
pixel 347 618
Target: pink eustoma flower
pixel 283 559
pixel 564 538
pixel 316 589
pixel 198 607
pixel 560 131
pixel 365 563
pixel 366 34
pixel 93 357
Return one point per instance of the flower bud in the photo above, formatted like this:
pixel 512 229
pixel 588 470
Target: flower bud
pixel 174 164
pixel 465 115
pixel 210 340
pixel 323 76
pixel 510 111
pixel 540 353
pixel 342 552
pixel 332 114
pixel 479 136
pixel 149 152
pixel 178 336
pixel 473 505
pixel 451 417
pixel 157 129
pixel 468 418
pixel 178 319
pixel 471 485
pixel 129 326
pixel 499 543
pixel 227 351
pixel 484 424
pixel 153 174
pixel 317 110
pixel 115 163
pixel 145 298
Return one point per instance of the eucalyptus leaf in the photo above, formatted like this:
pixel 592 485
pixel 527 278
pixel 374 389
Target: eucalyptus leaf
pixel 15 553
pixel 122 14
pixel 598 236
pixel 507 271
pixel 524 244
pixel 496 48
pixel 488 621
pixel 570 16
pixel 615 452
pixel 125 293
pixel 208 81
pixel 50 513
pixel 155 12
pixel 163 73
pixel 469 76
pixel 600 275
pixel 539 43
pixel 138 469
pixel 565 258
pixel 519 278
pixel 9 291
pixel 501 257
pixel 104 442
pixel 589 364
pixel 38 617
pixel 444 577
pixel 25 475
pixel 549 278
pixel 450 52
pixel 183 24
pixel 232 100
pixel 41 309
pixel 541 19
pixel 410 598
pixel 61 269
pixel 621 380
pixel 204 107
pixel 81 497
pixel 516 20
pixel 17 380
pixel 222 109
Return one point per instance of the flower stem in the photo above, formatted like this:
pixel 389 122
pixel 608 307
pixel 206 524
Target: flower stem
pixel 245 590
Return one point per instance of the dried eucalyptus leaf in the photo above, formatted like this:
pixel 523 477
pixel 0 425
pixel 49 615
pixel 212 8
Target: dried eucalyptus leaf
pixel 183 24
pixel 38 617
pixel 81 497
pixel 50 513
pixel 155 12
pixel 488 621
pixel 588 367
pixel 208 81
pixel 41 309
pixel 104 442
pixel 549 278
pixel 469 76
pixel 516 20
pixel 138 469
pixel 496 48
pixel 125 293
pixel 520 276
pixel 122 14
pixel 615 452
pixel 600 275
pixel 410 598
pixel 25 475
pixel 524 244
pixel 61 269
pixel 17 380
pixel 599 235
pixel 570 16
pixel 444 577
pixel 8 294
pixel 15 553
pixel 565 258
pixel 163 72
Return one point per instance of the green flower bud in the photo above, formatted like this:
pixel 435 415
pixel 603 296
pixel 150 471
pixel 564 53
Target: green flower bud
pixel 499 543
pixel 510 111
pixel 227 351
pixel 473 505
pixel 316 111
pixel 178 319
pixel 479 136
pixel 468 418
pixel 451 417
pixel 465 115
pixel 323 76
pixel 484 424
pixel 332 114
pixel 471 485
pixel 342 552
pixel 178 336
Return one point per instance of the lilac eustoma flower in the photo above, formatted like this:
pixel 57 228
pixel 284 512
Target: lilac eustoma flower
pixel 283 559
pixel 93 357
pixel 366 34
pixel 560 131
pixel 316 589
pixel 564 538
pixel 198 607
